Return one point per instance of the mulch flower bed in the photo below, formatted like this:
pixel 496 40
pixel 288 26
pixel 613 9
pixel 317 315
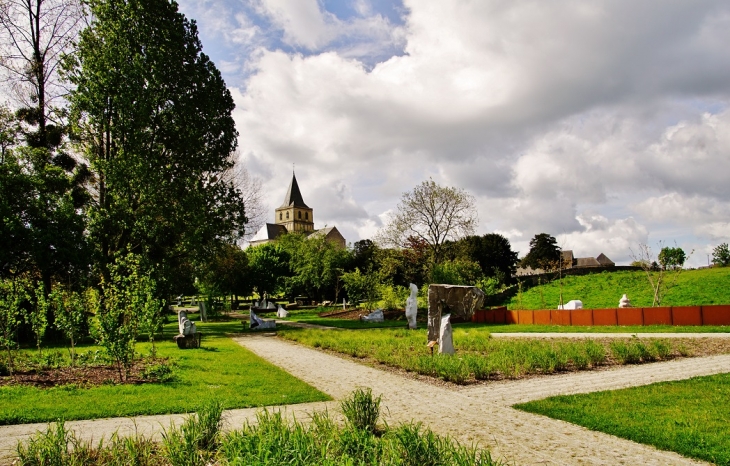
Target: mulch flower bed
pixel 84 376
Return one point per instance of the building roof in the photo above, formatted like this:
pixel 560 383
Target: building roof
pixel 587 262
pixel 293 195
pixel 268 232
pixel 603 260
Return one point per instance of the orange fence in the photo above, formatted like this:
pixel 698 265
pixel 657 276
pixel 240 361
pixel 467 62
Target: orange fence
pixel 675 315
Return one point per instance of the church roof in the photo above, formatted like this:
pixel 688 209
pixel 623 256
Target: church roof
pixel 269 231
pixel 293 195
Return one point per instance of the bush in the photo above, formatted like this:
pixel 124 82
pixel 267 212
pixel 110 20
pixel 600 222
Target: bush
pixel 161 372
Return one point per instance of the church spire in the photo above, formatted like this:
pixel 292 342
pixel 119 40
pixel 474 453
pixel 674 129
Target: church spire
pixel 293 195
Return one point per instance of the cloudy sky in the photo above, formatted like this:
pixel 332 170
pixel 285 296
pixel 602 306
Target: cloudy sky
pixel 603 123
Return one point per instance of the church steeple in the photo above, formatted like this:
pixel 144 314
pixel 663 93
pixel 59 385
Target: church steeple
pixel 293 195
pixel 294 214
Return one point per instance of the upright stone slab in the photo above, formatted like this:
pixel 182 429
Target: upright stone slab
pixel 446 339
pixel 459 301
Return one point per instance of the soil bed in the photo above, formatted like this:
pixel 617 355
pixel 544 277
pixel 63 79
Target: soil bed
pixel 83 376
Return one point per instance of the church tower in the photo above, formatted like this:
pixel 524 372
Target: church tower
pixel 294 214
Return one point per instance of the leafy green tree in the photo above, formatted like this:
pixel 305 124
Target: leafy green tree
pixel 457 272
pixel 38 314
pixel 70 311
pixel 544 251
pixel 316 264
pixel 672 258
pixel 721 255
pixel 13 293
pixel 125 305
pixel 491 251
pixel 152 115
pixel 268 268
pixel 362 287
pixel 228 272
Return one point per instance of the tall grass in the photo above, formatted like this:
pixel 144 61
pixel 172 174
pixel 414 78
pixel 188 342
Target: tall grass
pixel 479 356
pixel 270 440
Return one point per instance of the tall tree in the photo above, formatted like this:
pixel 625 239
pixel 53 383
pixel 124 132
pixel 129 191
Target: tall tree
pixel 493 253
pixel 544 251
pixel 431 213
pixel 48 181
pixel 153 117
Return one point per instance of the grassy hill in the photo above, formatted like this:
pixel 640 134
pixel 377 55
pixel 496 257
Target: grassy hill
pixel 603 290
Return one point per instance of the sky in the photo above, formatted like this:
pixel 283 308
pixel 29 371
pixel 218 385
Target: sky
pixel 604 123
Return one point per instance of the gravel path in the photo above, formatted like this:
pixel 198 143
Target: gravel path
pixel 474 414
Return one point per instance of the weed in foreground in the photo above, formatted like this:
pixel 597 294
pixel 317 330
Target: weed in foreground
pixel 361 409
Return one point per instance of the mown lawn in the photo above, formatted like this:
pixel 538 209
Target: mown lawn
pixel 690 417
pixel 221 370
pixel 603 290
pixel 311 316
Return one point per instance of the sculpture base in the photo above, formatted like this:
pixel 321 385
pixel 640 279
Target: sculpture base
pixel 188 341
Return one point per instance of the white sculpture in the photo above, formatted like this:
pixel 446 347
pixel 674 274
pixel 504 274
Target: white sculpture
pixel 572 305
pixel 271 305
pixel 344 305
pixel 185 326
pixel 412 307
pixel 624 302
pixel 281 313
pixel 256 322
pixel 446 339
pixel 375 316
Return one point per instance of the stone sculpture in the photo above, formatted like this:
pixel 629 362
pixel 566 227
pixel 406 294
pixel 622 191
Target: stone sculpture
pixel 375 316
pixel 624 302
pixel 446 340
pixel 203 311
pixel 281 313
pixel 572 305
pixel 412 307
pixel 257 323
pixel 189 336
pixel 459 301
pixel 271 306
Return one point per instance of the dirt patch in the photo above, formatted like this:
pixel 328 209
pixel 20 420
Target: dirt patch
pixel 84 376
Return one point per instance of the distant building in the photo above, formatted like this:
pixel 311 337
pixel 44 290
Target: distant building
pixel 295 215
pixel 572 263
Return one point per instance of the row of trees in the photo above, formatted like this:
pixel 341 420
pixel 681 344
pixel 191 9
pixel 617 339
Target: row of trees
pixel 116 164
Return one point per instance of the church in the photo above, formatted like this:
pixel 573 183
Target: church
pixel 295 215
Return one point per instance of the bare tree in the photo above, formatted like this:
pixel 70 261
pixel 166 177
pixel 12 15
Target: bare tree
pixel 34 36
pixel 249 185
pixel 432 213
pixel 660 278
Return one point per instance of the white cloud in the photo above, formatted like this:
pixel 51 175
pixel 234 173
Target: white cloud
pixel 577 119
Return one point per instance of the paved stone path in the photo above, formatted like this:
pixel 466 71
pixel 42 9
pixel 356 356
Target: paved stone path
pixel 473 414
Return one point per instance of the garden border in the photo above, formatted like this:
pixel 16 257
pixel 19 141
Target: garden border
pixel 717 314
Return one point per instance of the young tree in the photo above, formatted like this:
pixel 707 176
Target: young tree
pixel 70 311
pixel 661 279
pixel 153 116
pixel 721 255
pixel 544 252
pixel 432 213
pixel 13 293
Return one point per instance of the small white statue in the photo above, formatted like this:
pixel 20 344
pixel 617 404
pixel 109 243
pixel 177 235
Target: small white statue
pixel 446 339
pixel 281 313
pixel 375 316
pixel 412 307
pixel 624 302
pixel 344 305
pixel 572 305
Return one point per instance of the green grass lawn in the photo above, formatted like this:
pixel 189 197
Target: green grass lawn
pixel 221 370
pixel 603 290
pixel 690 417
